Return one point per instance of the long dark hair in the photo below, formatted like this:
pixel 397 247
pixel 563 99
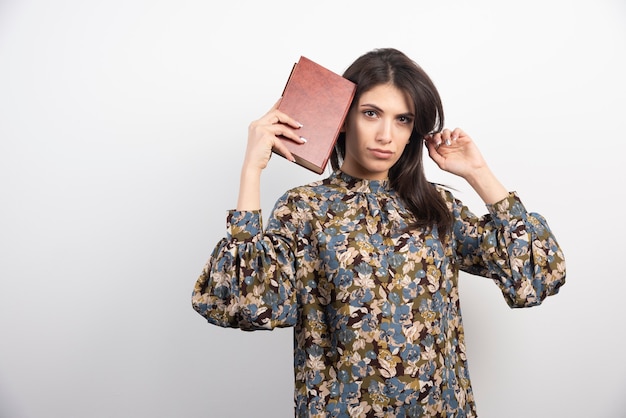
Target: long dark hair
pixel 388 65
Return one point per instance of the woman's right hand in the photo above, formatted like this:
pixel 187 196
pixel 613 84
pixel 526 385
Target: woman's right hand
pixel 263 138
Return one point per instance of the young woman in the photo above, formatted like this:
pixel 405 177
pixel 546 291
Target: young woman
pixel 364 264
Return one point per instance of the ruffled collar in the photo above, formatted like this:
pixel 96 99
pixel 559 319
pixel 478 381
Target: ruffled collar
pixel 358 185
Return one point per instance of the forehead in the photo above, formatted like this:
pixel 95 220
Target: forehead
pixel 388 98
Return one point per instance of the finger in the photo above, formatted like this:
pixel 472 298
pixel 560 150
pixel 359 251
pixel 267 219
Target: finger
pixel 279 117
pixel 446 137
pixel 285 132
pixel 275 116
pixel 430 141
pixel 283 150
pixel 435 139
pixel 432 145
pixel 457 133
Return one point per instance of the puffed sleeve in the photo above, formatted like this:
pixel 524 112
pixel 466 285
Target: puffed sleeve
pixel 514 247
pixel 249 279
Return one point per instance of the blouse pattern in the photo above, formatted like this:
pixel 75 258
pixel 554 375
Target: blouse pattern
pixel 374 306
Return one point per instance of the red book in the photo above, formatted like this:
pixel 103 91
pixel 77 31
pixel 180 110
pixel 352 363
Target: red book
pixel 319 99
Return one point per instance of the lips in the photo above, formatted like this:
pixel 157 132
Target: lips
pixel 381 153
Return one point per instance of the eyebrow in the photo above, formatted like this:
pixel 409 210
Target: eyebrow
pixel 406 114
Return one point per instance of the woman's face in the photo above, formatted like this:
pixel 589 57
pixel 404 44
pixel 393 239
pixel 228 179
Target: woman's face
pixel 377 130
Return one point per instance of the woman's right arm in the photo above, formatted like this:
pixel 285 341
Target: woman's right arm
pixel 249 280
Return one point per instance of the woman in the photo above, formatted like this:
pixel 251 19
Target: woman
pixel 364 264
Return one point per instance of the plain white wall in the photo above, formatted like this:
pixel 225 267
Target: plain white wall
pixel 122 129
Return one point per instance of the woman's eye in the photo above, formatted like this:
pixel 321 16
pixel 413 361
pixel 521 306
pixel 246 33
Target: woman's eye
pixel 369 113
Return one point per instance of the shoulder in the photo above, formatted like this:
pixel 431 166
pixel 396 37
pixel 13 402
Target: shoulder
pixel 323 189
pixel 302 203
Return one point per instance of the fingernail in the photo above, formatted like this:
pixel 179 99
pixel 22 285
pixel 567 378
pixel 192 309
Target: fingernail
pixel 448 142
pixel 299 125
pixel 303 139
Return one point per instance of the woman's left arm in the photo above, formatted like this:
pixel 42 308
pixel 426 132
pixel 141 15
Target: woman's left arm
pixel 514 247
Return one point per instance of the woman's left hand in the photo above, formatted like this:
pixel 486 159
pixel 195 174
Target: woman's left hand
pixel 455 152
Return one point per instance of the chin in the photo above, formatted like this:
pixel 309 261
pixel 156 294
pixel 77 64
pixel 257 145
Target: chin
pixel 380 168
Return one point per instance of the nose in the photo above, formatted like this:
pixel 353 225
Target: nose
pixel 385 132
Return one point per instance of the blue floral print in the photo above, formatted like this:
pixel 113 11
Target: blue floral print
pixel 374 305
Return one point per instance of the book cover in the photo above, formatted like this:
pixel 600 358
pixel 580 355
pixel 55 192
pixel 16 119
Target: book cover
pixel 319 99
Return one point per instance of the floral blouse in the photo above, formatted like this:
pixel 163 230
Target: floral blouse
pixel 374 306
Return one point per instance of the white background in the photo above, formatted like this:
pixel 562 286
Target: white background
pixel 122 130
